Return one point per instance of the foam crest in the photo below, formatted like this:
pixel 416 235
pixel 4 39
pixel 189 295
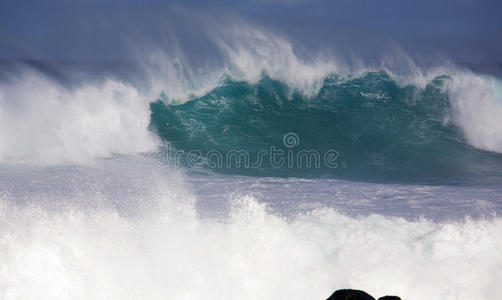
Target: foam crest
pixel 242 51
pixel 250 51
pixel 476 99
pixel 477 106
pixel 43 122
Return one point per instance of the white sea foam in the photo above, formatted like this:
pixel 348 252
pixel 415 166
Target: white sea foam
pixel 162 250
pixel 253 255
pixel 477 108
pixel 43 122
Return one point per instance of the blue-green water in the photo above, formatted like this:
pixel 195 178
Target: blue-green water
pixel 381 131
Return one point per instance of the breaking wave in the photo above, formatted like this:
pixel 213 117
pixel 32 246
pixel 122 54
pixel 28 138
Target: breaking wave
pixel 445 130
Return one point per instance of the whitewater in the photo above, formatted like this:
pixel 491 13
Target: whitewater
pixel 89 211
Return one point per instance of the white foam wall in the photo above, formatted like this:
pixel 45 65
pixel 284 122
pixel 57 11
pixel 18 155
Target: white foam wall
pixel 43 122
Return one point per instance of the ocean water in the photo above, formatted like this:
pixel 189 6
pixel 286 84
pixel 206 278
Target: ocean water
pixel 270 177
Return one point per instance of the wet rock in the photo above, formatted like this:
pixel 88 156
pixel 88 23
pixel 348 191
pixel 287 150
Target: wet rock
pixel 351 295
pixel 357 295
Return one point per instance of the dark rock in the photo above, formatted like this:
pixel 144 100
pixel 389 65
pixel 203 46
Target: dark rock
pixel 389 298
pixel 350 295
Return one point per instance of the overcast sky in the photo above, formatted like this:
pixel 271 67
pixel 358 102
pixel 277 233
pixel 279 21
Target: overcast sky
pixel 462 30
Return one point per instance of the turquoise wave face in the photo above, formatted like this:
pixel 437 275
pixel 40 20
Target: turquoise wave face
pixel 365 128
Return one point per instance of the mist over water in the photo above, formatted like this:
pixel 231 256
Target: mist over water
pixel 88 211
